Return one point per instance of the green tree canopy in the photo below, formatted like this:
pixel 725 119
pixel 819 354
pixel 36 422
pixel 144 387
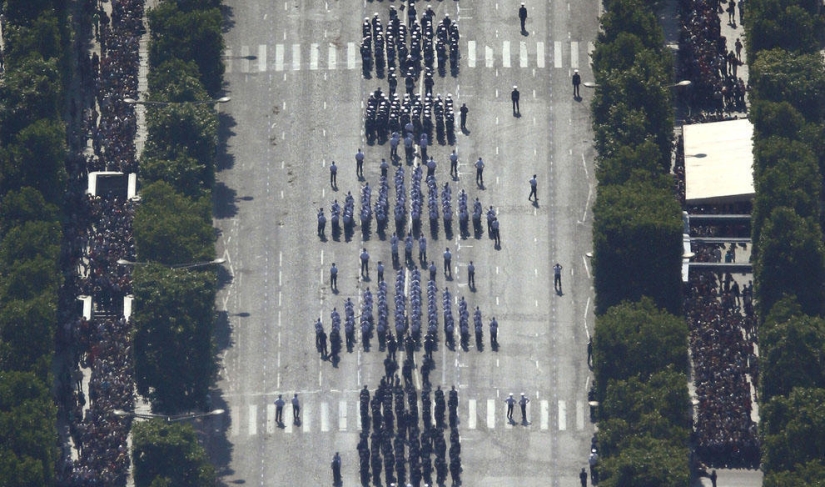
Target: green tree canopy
pixel 184 130
pixel 778 119
pixel 783 24
pixel 635 339
pixel 20 206
pixel 631 17
pixel 176 80
pixel 31 92
pixel 30 278
pixel 799 79
pixel 793 429
pixel 24 12
pixel 620 54
pixel 168 454
pixel 172 229
pixel 184 173
pixel 646 462
pixel 629 162
pixel 29 241
pixel 174 320
pixel 36 159
pixel 41 38
pixel 791 262
pixel 810 474
pixel 27 334
pixel 792 354
pixel 193 35
pixel 28 419
pixel 637 238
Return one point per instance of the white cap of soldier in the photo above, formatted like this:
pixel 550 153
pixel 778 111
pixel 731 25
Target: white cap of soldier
pixel 522 394
pixel 575 70
pixel 511 394
pixel 515 87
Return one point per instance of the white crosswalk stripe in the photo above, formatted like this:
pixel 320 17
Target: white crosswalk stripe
pixel 319 416
pixel 262 58
pixel 253 419
pixel 293 58
pixel 279 57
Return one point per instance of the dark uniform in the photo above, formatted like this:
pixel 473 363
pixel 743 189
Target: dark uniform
pixel 279 409
pixel 514 96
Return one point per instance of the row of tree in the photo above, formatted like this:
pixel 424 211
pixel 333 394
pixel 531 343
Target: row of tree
pixel 640 341
pixel 32 189
pixel 787 75
pixel 175 305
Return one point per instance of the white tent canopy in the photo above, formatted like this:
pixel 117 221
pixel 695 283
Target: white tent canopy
pixel 718 162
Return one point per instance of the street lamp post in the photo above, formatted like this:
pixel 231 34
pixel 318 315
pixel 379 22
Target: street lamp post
pixel 132 101
pixel 189 265
pixel 684 82
pixel 169 419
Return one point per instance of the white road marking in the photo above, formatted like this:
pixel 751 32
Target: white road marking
pixel 332 60
pixel 262 58
pixel 234 417
pixel 306 418
pixel 562 416
pixel 350 55
pixel 270 419
pixel 579 415
pixel 244 59
pixel 279 57
pixel 296 57
pixel 488 56
pixel 227 55
pixel 324 416
pixel 557 54
pixel 314 52
pixel 471 54
pixel 545 415
pixel 574 55
pixel 491 413
pixel 540 54
pixel 253 419
pixel 471 414
pixel 522 54
pixel 342 415
pixel 505 54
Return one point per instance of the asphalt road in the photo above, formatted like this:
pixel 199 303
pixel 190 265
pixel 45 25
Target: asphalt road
pixel 294 75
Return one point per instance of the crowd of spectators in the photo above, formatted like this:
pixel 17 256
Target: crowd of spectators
pixel 722 340
pixel 708 61
pixel 99 233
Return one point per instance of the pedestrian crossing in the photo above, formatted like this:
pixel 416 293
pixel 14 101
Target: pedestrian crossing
pixel 326 56
pixel 344 416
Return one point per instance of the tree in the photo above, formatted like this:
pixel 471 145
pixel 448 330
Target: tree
pixel 789 177
pixel 792 354
pixel 27 334
pixel 619 54
pixel 23 12
pixel 629 162
pixel 184 173
pixel 174 320
pixel 637 340
pixel 28 419
pixel 799 79
pixel 30 278
pixel 172 229
pixel 176 80
pixel 36 159
pixel 167 454
pixel 42 38
pixel 789 25
pixel 810 474
pixel 31 92
pixel 793 429
pixel 631 17
pixel 637 239
pixel 29 241
pixel 646 462
pixel 779 119
pixel 791 262
pixel 190 36
pixel 20 206
pixel 184 130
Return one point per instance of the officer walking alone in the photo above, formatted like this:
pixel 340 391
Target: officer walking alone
pixel 336 469
pixel 577 80
pixel 522 16
pixel 454 164
pixel 448 257
pixel 365 263
pixel 557 277
pixel 533 184
pixel 359 163
pixel 333 175
pixel 471 275
pixel 479 172
pixel 464 111
pixel 514 95
pixel 333 277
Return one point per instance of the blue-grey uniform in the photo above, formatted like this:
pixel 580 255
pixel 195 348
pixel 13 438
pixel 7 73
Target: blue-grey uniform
pixel 448 257
pixel 394 247
pixel 333 276
pixel 422 248
pixel 454 164
pixel 384 167
pixel 480 172
pixel 471 275
pixel 279 409
pixel 394 141
pixel 296 407
pixel 365 263
pixel 359 163
pixel 333 174
pixel 380 268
